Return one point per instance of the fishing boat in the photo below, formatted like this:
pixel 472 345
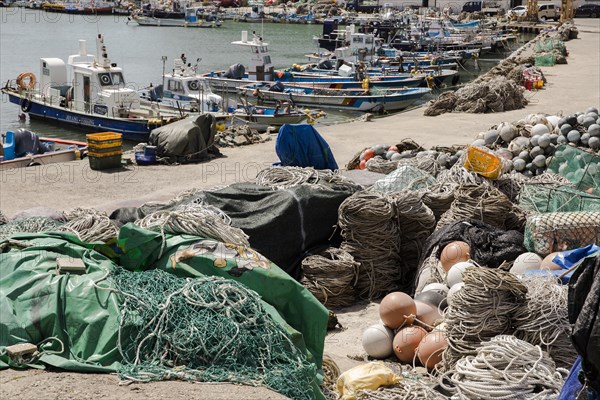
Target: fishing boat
pixel 182 90
pixel 194 17
pixel 261 118
pixel 260 67
pixel 41 151
pixel 353 81
pixel 343 99
pixel 94 97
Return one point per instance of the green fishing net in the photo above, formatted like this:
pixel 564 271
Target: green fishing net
pixel 28 225
pixel 204 329
pixel 546 198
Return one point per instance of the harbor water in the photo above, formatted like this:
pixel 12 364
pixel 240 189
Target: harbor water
pixel 26 35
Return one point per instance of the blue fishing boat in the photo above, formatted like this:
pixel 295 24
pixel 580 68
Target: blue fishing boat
pixel 342 99
pixel 95 98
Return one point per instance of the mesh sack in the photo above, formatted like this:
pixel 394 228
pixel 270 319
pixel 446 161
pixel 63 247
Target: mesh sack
pixel 547 233
pixel 547 198
pixel 404 178
pixel 578 166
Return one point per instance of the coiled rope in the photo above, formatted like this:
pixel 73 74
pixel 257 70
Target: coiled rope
pixel 545 319
pixel 487 305
pixel 285 177
pixel 198 220
pixel 90 225
pixel 330 277
pixel 331 373
pixel 504 368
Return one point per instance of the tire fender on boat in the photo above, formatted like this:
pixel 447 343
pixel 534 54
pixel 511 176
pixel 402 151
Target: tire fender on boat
pixel 26 80
pixel 26 105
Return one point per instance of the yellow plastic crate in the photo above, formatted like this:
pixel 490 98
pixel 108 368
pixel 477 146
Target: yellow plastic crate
pixel 483 162
pixel 107 154
pixel 103 140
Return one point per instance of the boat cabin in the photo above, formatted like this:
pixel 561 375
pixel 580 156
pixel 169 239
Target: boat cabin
pixel 260 67
pixel 87 83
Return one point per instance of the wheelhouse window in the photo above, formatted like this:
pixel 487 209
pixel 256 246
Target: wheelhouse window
pixel 111 78
pixel 267 59
pixel 174 86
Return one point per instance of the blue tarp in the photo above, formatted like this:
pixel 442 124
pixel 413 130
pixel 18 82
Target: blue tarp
pixel 300 145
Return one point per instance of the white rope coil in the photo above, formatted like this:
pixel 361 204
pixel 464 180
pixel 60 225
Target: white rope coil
pixel 504 368
pixel 279 178
pixel 90 225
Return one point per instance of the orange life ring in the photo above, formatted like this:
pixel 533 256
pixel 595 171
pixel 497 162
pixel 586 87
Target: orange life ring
pixel 22 80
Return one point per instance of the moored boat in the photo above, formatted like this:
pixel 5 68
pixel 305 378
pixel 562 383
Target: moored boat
pixel 343 99
pixel 194 18
pixel 95 97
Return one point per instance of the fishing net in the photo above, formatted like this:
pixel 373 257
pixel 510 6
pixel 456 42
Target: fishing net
pixel 547 198
pixel 330 277
pixel 287 177
pixel 578 166
pixel 497 94
pixel 481 202
pixel 559 231
pixel 404 178
pixel 90 225
pixel 28 225
pixel 381 165
pixel 487 305
pixel 206 330
pixel 3 218
pixel 549 44
pixel 545 60
pixel 544 320
pixel 438 198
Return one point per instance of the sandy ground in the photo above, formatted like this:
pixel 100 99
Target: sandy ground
pixel 571 87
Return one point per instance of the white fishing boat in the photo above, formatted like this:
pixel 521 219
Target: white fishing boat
pixel 260 67
pixel 194 18
pixel 88 91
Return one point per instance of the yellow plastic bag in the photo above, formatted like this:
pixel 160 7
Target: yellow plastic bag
pixel 365 376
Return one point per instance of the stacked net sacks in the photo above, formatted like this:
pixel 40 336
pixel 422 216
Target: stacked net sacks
pixel 381 165
pixel 481 202
pixel 487 305
pixel 28 225
pixel 330 277
pixel 371 232
pixel 90 225
pixel 504 368
pixel 438 198
pixel 544 320
pixel 206 330
pixel 547 233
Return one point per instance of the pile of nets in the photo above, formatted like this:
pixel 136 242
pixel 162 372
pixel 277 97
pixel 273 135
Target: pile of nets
pixel 3 218
pixel 206 330
pixel 28 225
pixel 548 197
pixel 495 95
pixel 505 368
pixel 286 177
pixel 549 51
pixel 330 277
pixel 384 233
pixel 486 306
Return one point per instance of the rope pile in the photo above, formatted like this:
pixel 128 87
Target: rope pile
pixel 286 177
pixel 3 218
pixel 487 305
pixel 381 165
pixel 481 202
pixel 505 368
pixel 205 330
pixel 438 198
pixel 198 220
pixel 371 233
pixel 545 319
pixel 331 373
pixel 90 225
pixel 407 389
pixel 330 277
pixel 28 225
pixel 497 94
pixel 384 233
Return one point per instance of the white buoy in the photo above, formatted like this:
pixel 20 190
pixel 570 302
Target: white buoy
pixel 437 287
pixel 455 274
pixel 453 291
pixel 526 262
pixel 377 341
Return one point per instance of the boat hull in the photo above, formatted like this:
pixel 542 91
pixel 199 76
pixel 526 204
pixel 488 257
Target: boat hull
pixel 149 21
pixel 134 130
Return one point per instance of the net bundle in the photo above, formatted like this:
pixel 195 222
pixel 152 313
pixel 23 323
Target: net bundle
pixel 330 277
pixel 484 307
pixel 28 225
pixel 286 177
pixel 404 178
pixel 548 197
pixel 3 218
pixel 206 330
pixel 544 320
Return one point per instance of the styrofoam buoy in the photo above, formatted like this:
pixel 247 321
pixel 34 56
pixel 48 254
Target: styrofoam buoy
pixel 453 253
pixel 526 262
pixel 406 342
pixel 433 298
pixel 539 129
pixel 453 291
pixel 455 273
pixel 377 341
pixel 431 348
pixel 427 313
pixel 395 308
pixel 438 287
